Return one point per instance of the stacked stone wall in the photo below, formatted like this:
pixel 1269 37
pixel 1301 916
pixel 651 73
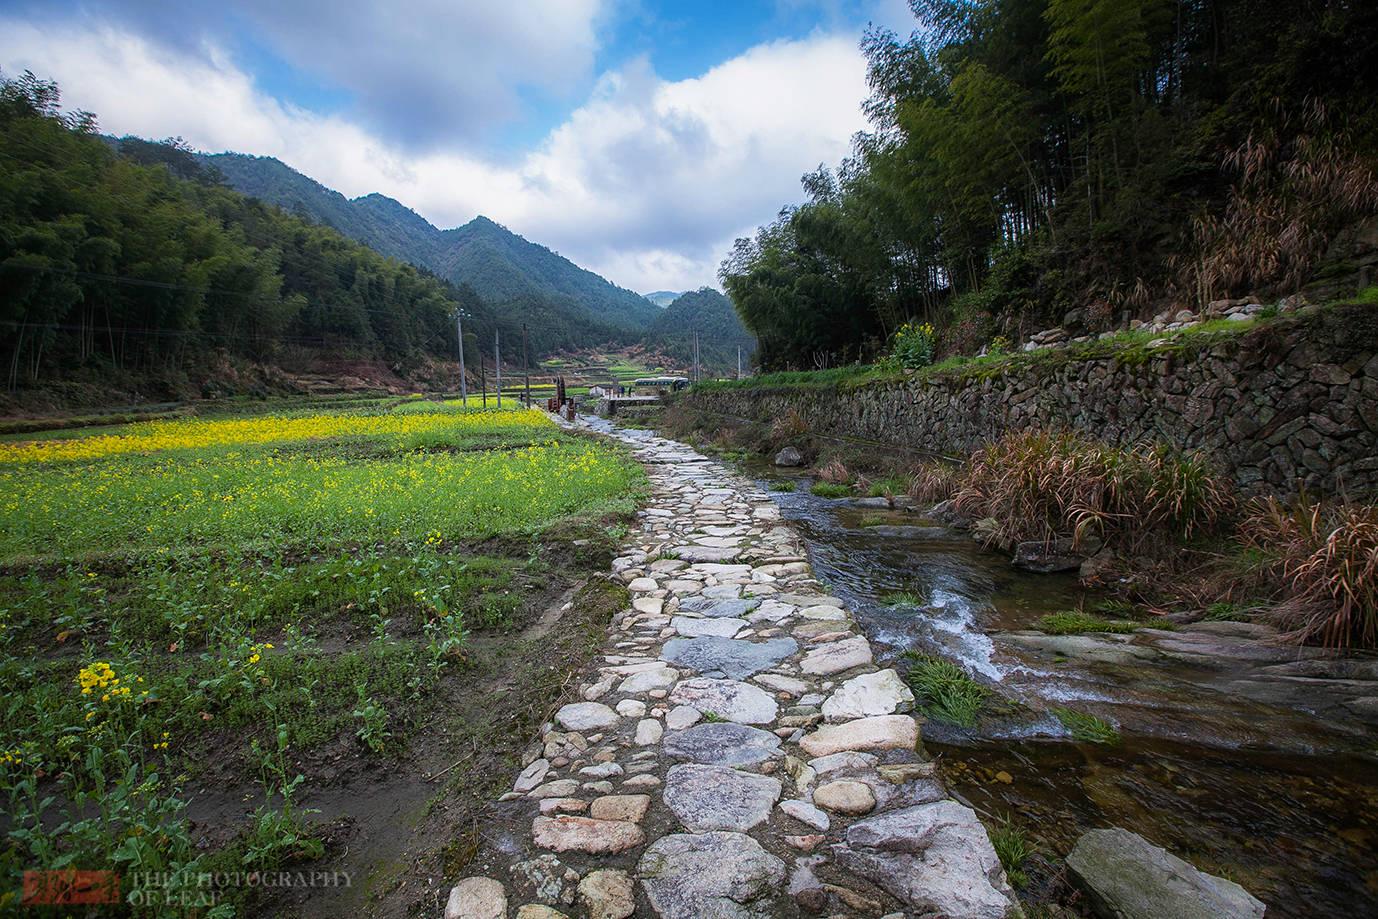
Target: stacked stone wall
pixel 1288 405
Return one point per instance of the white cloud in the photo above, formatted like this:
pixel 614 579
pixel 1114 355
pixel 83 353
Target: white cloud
pixel 646 183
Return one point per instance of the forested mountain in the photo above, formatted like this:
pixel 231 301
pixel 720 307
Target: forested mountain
pixel 1032 157
pixel 720 332
pixel 663 298
pixel 114 267
pixel 564 305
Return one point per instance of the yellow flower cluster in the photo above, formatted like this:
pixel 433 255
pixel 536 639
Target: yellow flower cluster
pixel 256 652
pixel 162 742
pixel 11 757
pixel 101 678
pixel 194 433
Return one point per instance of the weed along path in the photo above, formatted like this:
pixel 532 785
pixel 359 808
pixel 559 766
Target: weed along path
pixel 737 750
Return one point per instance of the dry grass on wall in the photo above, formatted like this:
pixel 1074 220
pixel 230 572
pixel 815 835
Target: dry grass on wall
pixel 1323 558
pixel 1043 486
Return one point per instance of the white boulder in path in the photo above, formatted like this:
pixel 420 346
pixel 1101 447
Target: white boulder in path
pixel 476 898
pixel 732 700
pixel 879 693
pixel 586 716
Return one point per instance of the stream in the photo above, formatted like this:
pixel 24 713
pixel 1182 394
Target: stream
pixel 1241 755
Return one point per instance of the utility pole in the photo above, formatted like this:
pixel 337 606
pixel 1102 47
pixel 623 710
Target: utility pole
pixel 696 356
pixel 526 366
pixel 739 362
pixel 483 378
pixel 459 334
pixel 497 363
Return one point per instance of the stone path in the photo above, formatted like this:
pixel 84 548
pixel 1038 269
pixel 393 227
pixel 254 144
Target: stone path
pixel 738 750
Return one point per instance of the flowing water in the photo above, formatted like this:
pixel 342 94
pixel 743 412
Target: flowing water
pixel 1233 755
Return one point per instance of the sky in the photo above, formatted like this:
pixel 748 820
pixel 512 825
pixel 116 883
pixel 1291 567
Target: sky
pixel 635 137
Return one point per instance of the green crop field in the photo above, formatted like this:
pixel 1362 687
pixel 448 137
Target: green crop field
pixel 227 603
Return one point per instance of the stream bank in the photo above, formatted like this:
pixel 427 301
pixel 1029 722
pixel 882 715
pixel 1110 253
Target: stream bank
pixel 1251 759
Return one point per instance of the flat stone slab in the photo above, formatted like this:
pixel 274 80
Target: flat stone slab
pixel 586 716
pixel 710 876
pixel 707 606
pixel 730 699
pixel 584 834
pixel 729 656
pixel 879 732
pixel 722 744
pixel 706 553
pixel 1129 877
pixel 936 858
pixel 879 693
pixel 707 798
pixel 698 628
pixel 660 678
pixel 837 656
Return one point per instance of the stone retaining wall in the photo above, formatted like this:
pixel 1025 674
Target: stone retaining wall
pixel 1290 403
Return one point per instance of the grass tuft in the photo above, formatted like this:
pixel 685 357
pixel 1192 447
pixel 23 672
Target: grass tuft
pixel 1013 847
pixel 1086 727
pixel 1075 622
pixel 830 490
pixel 948 693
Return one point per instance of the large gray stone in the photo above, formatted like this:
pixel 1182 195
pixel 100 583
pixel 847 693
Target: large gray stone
pixel 789 456
pixel 936 858
pixel 729 656
pixel 1127 877
pixel 710 876
pixel 722 744
pixel 707 606
pixel 697 628
pixel 730 699
pixel 706 798
pixel 706 553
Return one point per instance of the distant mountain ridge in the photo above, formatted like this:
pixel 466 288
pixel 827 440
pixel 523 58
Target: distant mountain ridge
pixel 566 306
pixel 720 331
pixel 663 298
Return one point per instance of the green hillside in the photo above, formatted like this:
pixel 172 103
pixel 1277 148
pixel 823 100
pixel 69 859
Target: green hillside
pixel 564 305
pixel 119 272
pixel 710 314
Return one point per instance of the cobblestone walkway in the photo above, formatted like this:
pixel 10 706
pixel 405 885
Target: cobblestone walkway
pixel 738 750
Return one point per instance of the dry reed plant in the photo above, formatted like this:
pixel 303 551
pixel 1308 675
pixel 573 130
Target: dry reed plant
pixel 1042 486
pixel 1325 556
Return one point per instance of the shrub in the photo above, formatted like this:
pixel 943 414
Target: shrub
pixel 1042 486
pixel 949 694
pixel 913 345
pixel 1325 557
